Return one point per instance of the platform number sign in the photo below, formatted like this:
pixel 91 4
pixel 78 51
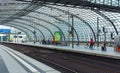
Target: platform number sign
pixel 57 36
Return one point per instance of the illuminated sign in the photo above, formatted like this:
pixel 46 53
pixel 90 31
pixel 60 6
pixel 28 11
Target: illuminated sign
pixel 4 30
pixel 57 36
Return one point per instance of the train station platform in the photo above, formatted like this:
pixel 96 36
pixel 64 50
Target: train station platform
pixel 12 61
pixel 110 52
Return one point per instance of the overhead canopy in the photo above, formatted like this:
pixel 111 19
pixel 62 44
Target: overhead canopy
pixel 108 5
pixel 41 19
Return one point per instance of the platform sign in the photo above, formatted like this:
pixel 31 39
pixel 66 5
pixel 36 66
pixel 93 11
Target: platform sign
pixel 57 36
pixel 6 31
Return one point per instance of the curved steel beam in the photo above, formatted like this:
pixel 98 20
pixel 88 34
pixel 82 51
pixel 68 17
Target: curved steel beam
pixel 32 31
pixel 69 13
pixel 14 3
pixel 34 23
pixel 31 27
pixel 19 29
pixel 66 23
pixel 102 15
pixel 105 17
pixel 83 3
pixel 59 20
pixel 48 23
pixel 24 19
pixel 22 27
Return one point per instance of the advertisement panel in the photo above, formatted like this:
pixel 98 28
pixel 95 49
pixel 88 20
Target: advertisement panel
pixel 57 36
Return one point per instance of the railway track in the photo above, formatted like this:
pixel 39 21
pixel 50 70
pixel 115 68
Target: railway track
pixel 67 62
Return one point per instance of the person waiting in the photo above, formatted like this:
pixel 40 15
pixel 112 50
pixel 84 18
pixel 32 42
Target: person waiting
pixel 103 47
pixel 91 43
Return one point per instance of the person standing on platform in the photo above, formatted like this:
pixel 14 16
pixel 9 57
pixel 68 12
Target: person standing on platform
pixel 91 43
pixel 53 41
pixel 48 41
pixel 103 47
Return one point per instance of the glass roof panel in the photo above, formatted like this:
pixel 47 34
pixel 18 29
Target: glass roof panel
pixel 85 20
pixel 106 2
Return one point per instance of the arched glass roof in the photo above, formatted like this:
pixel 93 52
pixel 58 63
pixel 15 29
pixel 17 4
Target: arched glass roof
pixel 42 20
pixel 107 2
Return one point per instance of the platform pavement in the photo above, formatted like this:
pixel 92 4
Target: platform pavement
pixel 110 52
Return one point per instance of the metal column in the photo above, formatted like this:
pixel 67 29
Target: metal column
pixel 72 31
pixel 97 31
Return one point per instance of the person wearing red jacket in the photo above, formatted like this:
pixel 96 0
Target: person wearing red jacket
pixel 53 41
pixel 91 43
